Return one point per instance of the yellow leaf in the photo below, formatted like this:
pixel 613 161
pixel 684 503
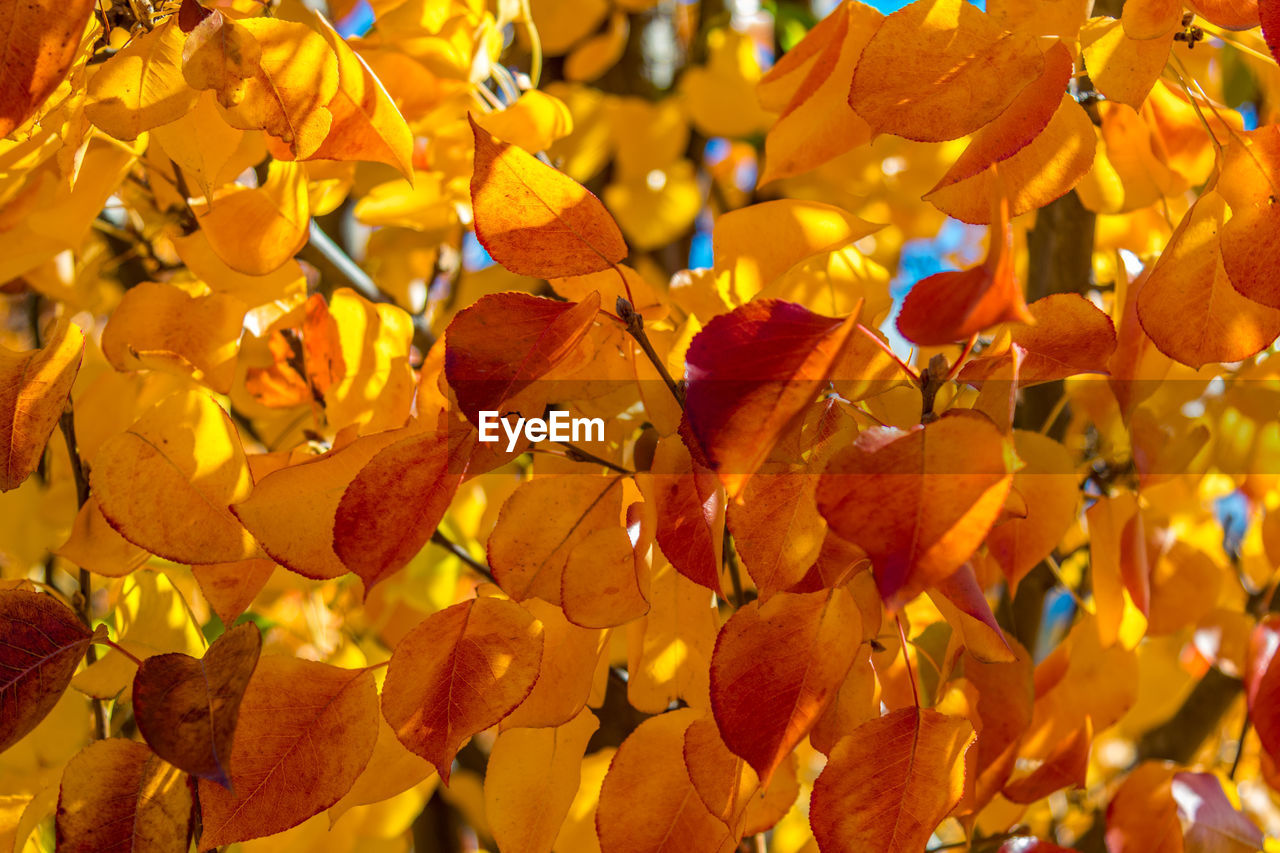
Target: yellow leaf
pixel 166 482
pixel 366 123
pixel 530 782
pixel 141 87
pixel 721 97
pixel 256 230
pixel 757 244
pixel 1121 67
pixel 296 78
pixel 160 326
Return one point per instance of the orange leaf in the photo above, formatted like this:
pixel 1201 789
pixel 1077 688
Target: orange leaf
pixel 1151 19
pixel 1048 484
pixel 535 221
pixel 391 508
pixel 647 802
pixel 187 709
pixel 1234 14
pixel 541 524
pixel 751 373
pixel 951 306
pixel 817 123
pixel 117 795
pixel 457 673
pixel 366 123
pixel 221 55
pixel 1249 181
pixel 231 587
pixel 34 387
pixel 40 41
pixel 777 529
pixel 1070 335
pixel 889 784
pixel 606 580
pixel 775 669
pixel 1022 121
pixel 1005 697
pixel 166 482
pixel 690 504
pixel 1041 171
pixel 569 661
pixel 291 510
pixel 41 643
pixel 941 69
pixel 530 780
pixel 279 776
pixel 497 350
pixel 1189 308
pixel 919 503
pixel 961 601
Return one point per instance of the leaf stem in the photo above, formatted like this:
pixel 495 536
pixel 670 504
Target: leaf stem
pixel 352 271
pixel 461 553
pixel 968 349
pixel 735 575
pixel 67 423
pixel 635 328
pixel 107 641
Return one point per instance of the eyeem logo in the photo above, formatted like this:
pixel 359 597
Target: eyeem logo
pixel 560 427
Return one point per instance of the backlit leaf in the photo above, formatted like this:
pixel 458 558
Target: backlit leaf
pixel 534 220
pixel 278 775
pixel 889 784
pixel 457 673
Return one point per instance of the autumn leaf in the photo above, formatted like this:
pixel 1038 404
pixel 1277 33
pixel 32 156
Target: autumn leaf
pixel 766 703
pixel 690 506
pixel 166 482
pixel 891 782
pixel 279 778
pixel 932 55
pixel 142 86
pixel 459 672
pixel 221 55
pixel 951 306
pixel 920 530
pixel 187 708
pixel 540 526
pixel 750 373
pixel 43 642
pixel 393 505
pixel 571 233
pixel 34 387
pixel 1188 306
pixel 648 803
pixel 498 373
pixel 117 793
pixel 1069 336
pixel 40 42
pixel 530 781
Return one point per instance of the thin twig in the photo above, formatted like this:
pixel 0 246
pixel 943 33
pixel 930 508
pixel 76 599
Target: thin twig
pixel 635 328
pixel 461 553
pixel 67 422
pixel 352 271
pixel 1244 732
pixel 577 454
